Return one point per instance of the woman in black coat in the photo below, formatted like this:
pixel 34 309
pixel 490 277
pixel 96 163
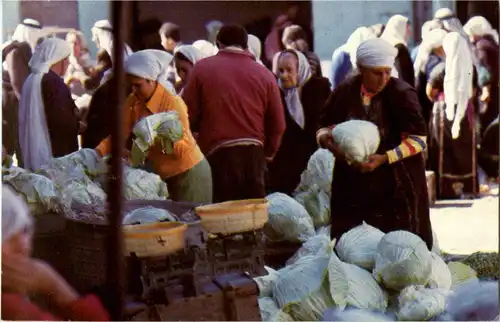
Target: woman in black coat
pixel 303 99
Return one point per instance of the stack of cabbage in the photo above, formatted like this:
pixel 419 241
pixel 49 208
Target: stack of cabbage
pixel 165 127
pixel 78 177
pixel 371 276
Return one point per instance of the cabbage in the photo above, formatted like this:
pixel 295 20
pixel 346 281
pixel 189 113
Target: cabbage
pixel 88 159
pixel 140 184
pixel 147 215
pixel 473 301
pixel 288 220
pixel 265 282
pixel 435 245
pixel 317 204
pixel 417 303
pixel 357 139
pixel 165 127
pixel 319 172
pixel 440 274
pixel 318 245
pixel 269 311
pixel 301 290
pixel 358 246
pixel 352 314
pixel 461 273
pixel 402 260
pixel 353 286
pixel 40 193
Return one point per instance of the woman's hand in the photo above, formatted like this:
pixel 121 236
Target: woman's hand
pixel 373 163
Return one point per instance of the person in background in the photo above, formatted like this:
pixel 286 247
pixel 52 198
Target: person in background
pixel 207 48
pixel 24 276
pixel 102 68
pixel 213 28
pixel 377 29
pixel 429 55
pixel 389 191
pixel 186 171
pixel 80 64
pixel 427 27
pixel 147 34
pixel 16 55
pixel 344 57
pixel 452 150
pixel 304 96
pixel 255 48
pixel 49 121
pixel 294 37
pixel 238 115
pixel 185 57
pixel 170 35
pixel 397 32
pixel 272 43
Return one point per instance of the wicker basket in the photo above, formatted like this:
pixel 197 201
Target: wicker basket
pixel 154 239
pixel 234 216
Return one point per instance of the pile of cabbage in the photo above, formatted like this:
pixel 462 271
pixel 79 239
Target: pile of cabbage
pixel 372 276
pixel 78 178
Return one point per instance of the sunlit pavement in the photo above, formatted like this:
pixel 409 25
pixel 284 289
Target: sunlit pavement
pixel 467 226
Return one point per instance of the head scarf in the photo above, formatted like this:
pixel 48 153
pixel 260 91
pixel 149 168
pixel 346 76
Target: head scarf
pixel 206 47
pixel 428 26
pixel 15 213
pixel 357 37
pixel 478 26
pixel 443 13
pixel 292 97
pixel 255 47
pixel 213 28
pixel 376 53
pixel 151 64
pixel 33 133
pixel 395 30
pixel 102 32
pixel 433 40
pixel 458 74
pixel 29 31
pixel 190 52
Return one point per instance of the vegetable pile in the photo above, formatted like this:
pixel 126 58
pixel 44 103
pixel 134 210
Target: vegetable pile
pixel 372 276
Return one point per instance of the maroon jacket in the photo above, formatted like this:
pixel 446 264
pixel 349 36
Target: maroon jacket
pixel 229 97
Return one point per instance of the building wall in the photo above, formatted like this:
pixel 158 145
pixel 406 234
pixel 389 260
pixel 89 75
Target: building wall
pixel 51 13
pixel 88 13
pixel 10 18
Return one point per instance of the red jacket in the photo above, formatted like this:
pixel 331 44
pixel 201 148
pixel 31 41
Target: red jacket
pixel 18 307
pixel 232 97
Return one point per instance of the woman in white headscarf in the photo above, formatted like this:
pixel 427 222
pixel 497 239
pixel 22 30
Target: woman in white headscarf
pixel 397 32
pixel 427 27
pixel 452 142
pixel 24 276
pixel 255 47
pixel 389 190
pixel 185 57
pixel 344 57
pixel 186 171
pixel 48 117
pixel 304 96
pixel 206 47
pixel 429 55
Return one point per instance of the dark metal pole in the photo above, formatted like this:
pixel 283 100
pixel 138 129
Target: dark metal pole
pixel 115 274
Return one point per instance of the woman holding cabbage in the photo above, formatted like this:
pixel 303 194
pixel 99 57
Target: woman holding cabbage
pixel 388 190
pixel 185 169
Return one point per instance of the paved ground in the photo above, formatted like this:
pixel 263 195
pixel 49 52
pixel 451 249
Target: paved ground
pixel 464 227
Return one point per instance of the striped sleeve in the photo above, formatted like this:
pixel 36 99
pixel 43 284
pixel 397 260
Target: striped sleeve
pixel 412 145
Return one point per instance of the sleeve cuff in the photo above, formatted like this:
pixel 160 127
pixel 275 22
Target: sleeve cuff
pixel 391 156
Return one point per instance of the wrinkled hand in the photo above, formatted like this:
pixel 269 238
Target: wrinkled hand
pixel 326 142
pixel 373 163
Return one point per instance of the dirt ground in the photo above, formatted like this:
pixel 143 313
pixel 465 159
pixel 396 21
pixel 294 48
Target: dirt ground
pixel 467 226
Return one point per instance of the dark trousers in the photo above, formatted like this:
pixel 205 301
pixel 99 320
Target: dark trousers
pixel 238 173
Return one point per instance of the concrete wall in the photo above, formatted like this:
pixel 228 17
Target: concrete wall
pixel 88 13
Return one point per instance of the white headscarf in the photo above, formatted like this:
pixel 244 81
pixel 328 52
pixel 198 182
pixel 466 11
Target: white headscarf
pixel 190 52
pixel 15 213
pixel 33 133
pixel 29 31
pixel 443 13
pixel 433 40
pixel 255 47
pixel 206 47
pixel 478 26
pixel 458 76
pixel 395 30
pixel 292 97
pixel 428 26
pixel 376 53
pixel 355 39
pixel 102 33
pixel 151 64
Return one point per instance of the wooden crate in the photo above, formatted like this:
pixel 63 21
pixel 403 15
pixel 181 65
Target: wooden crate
pixel 431 186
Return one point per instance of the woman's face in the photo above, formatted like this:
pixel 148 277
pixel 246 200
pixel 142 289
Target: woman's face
pixel 75 44
pixel 18 244
pixel 183 68
pixel 375 78
pixel 288 70
pixel 142 88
